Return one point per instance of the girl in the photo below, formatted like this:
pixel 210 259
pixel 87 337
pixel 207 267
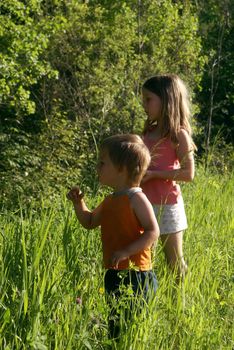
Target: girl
pixel 167 134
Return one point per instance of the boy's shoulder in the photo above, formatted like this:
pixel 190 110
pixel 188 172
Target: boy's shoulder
pixel 139 197
pixel 107 198
pixel 132 195
pixel 138 194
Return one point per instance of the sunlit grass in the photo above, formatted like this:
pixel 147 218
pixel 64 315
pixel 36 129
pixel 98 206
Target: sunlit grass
pixel 48 261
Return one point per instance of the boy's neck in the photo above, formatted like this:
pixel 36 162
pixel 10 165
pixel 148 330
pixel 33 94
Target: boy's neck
pixel 123 182
pixel 129 191
pixel 125 186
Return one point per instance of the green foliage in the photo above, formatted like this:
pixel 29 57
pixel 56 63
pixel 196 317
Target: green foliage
pixel 72 75
pixel 217 96
pixel 220 158
pixel 24 36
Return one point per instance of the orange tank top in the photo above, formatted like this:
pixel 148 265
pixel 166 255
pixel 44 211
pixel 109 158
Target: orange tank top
pixel 120 227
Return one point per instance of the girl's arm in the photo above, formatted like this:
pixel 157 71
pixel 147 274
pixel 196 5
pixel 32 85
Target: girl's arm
pixel 88 219
pixel 145 214
pixel 185 155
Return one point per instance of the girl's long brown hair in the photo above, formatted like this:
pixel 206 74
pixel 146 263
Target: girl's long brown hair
pixel 175 105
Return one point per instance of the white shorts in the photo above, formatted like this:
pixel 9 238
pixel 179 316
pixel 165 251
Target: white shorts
pixel 171 217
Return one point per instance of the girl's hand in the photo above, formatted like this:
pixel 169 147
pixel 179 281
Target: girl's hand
pixel 117 257
pixel 75 195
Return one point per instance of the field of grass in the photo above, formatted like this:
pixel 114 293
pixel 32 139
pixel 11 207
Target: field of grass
pixel 51 279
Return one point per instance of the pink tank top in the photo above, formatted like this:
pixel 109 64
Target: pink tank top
pixel 164 157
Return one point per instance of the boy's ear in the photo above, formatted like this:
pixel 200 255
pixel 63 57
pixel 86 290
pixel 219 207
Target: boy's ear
pixel 123 169
pixel 120 167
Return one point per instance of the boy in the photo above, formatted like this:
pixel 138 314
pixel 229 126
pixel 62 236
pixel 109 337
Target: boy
pixel 126 217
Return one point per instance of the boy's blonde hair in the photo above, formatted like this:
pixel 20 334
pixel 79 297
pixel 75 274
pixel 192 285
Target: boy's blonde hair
pixel 175 104
pixel 128 150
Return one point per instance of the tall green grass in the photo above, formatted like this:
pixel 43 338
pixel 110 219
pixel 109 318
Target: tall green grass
pixel 48 261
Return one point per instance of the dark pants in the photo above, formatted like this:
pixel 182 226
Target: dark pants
pixel 134 288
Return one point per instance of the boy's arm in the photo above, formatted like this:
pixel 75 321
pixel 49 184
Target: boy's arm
pixel 88 219
pixel 145 214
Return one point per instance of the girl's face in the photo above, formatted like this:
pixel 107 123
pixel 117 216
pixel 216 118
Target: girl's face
pixel 152 105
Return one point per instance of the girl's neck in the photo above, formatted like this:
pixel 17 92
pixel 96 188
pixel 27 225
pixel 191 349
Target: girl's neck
pixel 155 132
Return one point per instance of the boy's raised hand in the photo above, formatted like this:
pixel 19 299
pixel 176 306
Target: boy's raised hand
pixel 75 194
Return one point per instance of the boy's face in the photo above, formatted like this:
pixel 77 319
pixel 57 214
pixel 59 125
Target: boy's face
pixel 108 173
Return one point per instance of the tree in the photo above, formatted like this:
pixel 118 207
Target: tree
pixel 81 70
pixel 217 94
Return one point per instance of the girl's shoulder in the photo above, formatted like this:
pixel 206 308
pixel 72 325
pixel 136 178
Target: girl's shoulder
pixel 185 144
pixel 183 131
pixel 184 137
